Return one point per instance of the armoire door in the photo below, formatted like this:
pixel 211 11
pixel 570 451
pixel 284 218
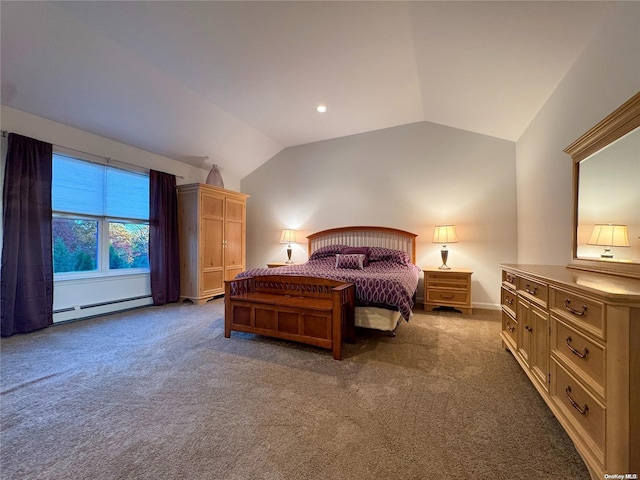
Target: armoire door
pixel 234 238
pixel 212 244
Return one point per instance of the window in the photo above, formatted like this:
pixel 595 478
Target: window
pixel 128 245
pixel 100 218
pixel 75 244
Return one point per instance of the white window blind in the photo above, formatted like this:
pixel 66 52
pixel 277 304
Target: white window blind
pixel 91 189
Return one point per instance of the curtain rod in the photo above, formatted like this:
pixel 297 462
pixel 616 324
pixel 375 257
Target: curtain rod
pixel 107 159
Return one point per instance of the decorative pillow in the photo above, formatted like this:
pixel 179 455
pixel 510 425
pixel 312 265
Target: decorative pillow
pixel 380 253
pixel 353 262
pixel 358 251
pixel 327 251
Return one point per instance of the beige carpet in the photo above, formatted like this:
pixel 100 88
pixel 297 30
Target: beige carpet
pixel 159 393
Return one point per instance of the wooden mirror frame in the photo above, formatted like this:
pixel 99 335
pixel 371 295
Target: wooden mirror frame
pixel 623 120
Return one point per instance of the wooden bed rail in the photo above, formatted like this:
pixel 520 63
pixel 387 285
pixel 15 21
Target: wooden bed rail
pixel 314 311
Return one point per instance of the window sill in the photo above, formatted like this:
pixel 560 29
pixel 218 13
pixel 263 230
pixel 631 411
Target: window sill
pixel 71 278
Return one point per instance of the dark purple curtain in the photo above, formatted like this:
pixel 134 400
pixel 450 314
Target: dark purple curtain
pixel 26 291
pixel 164 256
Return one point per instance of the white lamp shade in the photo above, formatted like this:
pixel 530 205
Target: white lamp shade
pixel 288 236
pixel 608 235
pixel 445 234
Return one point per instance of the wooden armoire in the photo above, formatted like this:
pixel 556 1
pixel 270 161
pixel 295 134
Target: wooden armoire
pixel 212 225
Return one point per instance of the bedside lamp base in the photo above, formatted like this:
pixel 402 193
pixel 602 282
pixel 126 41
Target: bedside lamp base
pixel 444 253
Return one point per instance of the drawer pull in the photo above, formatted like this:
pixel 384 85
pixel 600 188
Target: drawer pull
pixel 509 300
pixel 583 410
pixel 575 312
pixel 582 354
pixel 510 328
pixel 447 297
pixel 528 289
pixel 528 328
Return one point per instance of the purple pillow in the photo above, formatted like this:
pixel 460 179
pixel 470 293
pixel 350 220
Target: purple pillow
pixel 353 261
pixel 358 251
pixel 380 254
pixel 327 251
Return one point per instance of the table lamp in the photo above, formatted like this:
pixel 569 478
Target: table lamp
pixel 445 234
pixel 607 236
pixel 288 236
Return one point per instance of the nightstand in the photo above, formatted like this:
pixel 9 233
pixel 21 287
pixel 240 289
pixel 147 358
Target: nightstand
pixel 447 288
pixel 280 264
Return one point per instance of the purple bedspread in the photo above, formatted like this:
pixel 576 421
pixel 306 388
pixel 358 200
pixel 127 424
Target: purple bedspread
pixel 389 279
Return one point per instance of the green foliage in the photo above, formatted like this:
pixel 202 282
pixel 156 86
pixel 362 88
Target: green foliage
pixel 62 257
pixel 115 260
pixel 84 262
pixel 129 245
pixel 75 245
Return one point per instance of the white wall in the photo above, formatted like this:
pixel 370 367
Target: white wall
pixel 604 76
pixel 410 177
pixel 68 294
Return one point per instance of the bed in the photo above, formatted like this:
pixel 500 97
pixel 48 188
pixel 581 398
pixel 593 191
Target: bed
pixel 386 282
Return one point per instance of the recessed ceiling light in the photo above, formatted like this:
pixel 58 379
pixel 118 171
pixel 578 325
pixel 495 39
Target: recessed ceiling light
pixel 321 108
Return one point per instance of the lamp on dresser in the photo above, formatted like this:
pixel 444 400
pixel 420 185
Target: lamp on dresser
pixel 288 236
pixel 607 236
pixel 445 234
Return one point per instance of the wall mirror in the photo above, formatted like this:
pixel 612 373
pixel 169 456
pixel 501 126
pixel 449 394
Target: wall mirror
pixel 606 188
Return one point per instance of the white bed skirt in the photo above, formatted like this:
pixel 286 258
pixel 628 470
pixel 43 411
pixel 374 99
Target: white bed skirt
pixel 377 318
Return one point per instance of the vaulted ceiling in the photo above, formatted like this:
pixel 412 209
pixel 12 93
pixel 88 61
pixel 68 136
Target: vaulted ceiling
pixel 239 81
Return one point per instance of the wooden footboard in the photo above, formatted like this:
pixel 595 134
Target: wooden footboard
pixel 309 310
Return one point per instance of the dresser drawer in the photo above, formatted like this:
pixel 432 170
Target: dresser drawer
pixel 536 291
pixel 581 311
pixel 510 279
pixel 508 299
pixel 583 411
pixel 583 355
pixel 448 296
pixel 510 328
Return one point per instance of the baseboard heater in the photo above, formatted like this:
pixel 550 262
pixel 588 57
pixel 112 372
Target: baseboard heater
pixel 95 309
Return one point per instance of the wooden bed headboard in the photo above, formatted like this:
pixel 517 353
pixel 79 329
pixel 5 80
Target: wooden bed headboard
pixel 365 237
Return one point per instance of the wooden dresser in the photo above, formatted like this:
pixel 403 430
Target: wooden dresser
pixel 212 236
pixel 576 335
